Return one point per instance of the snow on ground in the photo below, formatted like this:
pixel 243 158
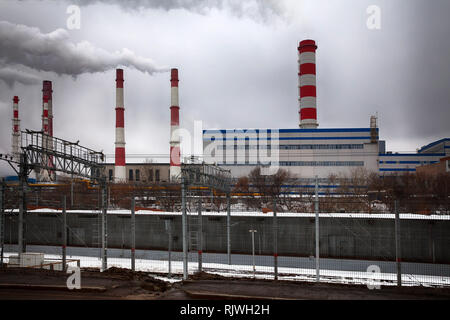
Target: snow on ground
pixel 256 213
pixel 262 272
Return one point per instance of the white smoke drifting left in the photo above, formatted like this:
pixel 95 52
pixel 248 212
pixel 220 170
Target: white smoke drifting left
pixel 28 46
pixel 13 75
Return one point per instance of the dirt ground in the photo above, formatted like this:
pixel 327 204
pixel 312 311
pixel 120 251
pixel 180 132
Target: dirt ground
pixel 123 284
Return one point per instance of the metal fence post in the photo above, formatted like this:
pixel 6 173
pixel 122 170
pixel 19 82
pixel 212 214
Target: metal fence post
pixel 22 205
pixel 184 226
pixel 398 251
pixel 228 228
pixel 104 229
pixel 169 227
pixel 252 231
pixel 64 233
pixel 133 235
pixel 2 220
pixel 275 239
pixel 316 209
pixel 200 235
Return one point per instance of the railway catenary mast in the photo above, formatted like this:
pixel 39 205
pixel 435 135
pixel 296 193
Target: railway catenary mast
pixel 120 170
pixel 175 163
pixel 307 84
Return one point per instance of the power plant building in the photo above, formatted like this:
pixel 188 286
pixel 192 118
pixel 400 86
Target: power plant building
pixel 309 151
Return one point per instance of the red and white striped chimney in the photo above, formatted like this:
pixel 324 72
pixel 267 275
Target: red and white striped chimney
pixel 45 122
pixel 307 84
pixel 175 163
pixel 16 129
pixel 119 170
pixel 48 91
pixel 46 140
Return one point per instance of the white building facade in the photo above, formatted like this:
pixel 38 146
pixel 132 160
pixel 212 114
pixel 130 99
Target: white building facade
pixel 310 152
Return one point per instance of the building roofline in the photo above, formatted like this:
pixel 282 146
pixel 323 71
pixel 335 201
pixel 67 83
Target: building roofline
pixel 289 130
pixel 432 144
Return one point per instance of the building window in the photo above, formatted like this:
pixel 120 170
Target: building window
pixel 130 175
pixel 138 175
pixel 150 175
pixel 110 174
pixel 157 175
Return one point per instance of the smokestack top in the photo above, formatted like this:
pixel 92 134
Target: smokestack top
pixel 307 46
pixel 119 78
pixel 16 99
pixel 174 77
pixel 47 86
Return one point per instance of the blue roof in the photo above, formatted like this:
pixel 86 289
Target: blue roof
pixel 433 144
pixel 289 130
pixel 16 179
pixel 412 154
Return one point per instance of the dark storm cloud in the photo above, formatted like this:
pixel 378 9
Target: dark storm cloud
pixel 429 103
pixel 55 52
pixel 236 72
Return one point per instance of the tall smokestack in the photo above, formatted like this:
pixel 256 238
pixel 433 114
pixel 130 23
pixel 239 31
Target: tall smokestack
pixel 175 164
pixel 45 122
pixel 44 173
pixel 48 91
pixel 307 84
pixel 119 171
pixel 16 129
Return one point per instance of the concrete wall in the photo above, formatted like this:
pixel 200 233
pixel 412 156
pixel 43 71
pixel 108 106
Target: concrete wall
pixel 422 240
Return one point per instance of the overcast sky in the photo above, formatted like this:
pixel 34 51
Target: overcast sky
pixel 237 65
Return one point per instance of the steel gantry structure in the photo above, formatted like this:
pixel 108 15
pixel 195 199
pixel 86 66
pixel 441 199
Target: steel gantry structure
pixel 214 178
pixel 43 153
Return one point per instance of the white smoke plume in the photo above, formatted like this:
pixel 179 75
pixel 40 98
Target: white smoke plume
pixel 254 9
pixel 54 52
pixel 11 75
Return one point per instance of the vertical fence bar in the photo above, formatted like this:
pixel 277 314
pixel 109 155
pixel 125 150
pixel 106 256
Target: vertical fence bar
pixel 398 251
pixel 200 235
pixel 2 220
pixel 104 229
pixel 133 234
pixel 184 226
pixel 253 252
pixel 64 233
pixel 275 239
pixel 169 227
pixel 22 205
pixel 228 228
pixel 316 209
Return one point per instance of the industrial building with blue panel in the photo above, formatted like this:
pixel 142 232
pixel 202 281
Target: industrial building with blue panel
pixel 309 152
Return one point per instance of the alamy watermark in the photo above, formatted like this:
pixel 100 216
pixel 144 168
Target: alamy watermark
pixel 374 19
pixel 74 280
pixel 374 277
pixel 74 20
pixel 251 147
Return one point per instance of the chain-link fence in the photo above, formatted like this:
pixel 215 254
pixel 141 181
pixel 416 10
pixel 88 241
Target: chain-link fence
pixel 270 242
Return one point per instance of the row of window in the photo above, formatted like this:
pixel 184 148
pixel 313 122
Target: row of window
pixel 322 163
pixel 305 164
pixel 408 162
pixel 135 175
pixel 296 146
